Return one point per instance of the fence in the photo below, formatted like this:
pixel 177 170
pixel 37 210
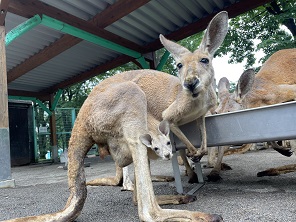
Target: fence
pixel 65 118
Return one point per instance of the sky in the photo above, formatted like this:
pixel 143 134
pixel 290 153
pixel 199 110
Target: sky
pixel 231 71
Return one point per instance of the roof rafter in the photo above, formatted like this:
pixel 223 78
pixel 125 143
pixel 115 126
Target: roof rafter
pixel 3 11
pixel 121 60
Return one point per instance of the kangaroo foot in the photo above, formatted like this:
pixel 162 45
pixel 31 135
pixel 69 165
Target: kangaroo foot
pixel 186 216
pixel 159 178
pixel 285 152
pixel 269 172
pixel 225 166
pixel 175 199
pixel 193 178
pixel 214 176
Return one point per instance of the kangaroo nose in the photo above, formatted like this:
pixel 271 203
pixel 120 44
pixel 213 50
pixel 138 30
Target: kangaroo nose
pixel 167 156
pixel 191 84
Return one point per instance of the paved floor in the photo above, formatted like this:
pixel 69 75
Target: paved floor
pixel 240 196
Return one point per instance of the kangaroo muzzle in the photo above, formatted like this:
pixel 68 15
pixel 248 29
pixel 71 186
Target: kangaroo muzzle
pixel 191 84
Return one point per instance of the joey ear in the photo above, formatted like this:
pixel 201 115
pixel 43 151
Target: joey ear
pixel 174 48
pixel 164 127
pixel 215 33
pixel 146 139
pixel 245 83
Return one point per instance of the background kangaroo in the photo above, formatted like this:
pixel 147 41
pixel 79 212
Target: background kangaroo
pixel 274 83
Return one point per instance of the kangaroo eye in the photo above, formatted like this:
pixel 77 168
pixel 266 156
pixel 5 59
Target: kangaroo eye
pixel 168 143
pixel 204 60
pixel 179 65
pixel 156 148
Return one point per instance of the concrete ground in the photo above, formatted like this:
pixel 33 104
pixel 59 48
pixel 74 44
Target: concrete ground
pixel 239 197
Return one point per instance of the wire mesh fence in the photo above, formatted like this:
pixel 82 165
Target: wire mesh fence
pixel 65 118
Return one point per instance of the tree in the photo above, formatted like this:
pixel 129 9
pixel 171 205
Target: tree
pixel 272 25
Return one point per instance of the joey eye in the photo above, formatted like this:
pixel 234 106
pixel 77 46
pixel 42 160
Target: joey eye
pixel 168 143
pixel 204 60
pixel 179 65
pixel 156 148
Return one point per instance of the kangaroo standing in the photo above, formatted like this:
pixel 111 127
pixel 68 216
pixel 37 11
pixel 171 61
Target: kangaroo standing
pixel 189 96
pixel 165 97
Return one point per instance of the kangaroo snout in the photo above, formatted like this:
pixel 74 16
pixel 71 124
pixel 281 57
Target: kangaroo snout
pixel 191 84
pixel 167 156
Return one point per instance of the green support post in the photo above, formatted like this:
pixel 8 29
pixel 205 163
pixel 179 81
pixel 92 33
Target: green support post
pixel 143 62
pixel 33 99
pixel 163 60
pixel 34 135
pixel 73 116
pixel 56 99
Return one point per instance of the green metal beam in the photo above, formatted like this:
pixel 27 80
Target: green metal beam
pixel 143 62
pixel 56 99
pixel 34 134
pixel 163 60
pixel 63 27
pixel 33 99
pixel 22 29
pixel 43 107
pixel 71 30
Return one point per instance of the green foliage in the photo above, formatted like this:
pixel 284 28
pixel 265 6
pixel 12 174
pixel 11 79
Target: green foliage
pixel 265 25
pixel 232 87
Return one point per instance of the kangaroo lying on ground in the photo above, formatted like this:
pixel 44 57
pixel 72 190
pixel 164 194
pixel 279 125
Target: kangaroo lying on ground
pixel 116 115
pixel 274 83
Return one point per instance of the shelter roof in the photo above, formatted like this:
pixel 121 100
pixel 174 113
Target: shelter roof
pixel 69 41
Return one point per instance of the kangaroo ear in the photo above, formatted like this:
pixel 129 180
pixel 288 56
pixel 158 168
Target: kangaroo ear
pixel 175 49
pixel 146 139
pixel 244 83
pixel 164 127
pixel 215 33
pixel 223 88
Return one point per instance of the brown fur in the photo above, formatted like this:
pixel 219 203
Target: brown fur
pixel 108 117
pixel 274 83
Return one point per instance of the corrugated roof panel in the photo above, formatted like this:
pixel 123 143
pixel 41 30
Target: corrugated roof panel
pixel 29 43
pixel 219 3
pixel 73 61
pixel 84 6
pixel 197 11
pixel 84 9
pixel 160 16
pixel 178 9
pixel 206 5
pixel 65 6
